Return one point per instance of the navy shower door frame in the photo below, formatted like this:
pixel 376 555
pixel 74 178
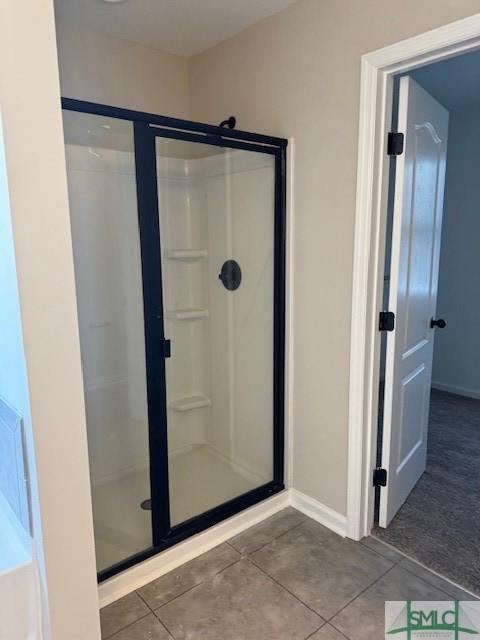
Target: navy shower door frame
pixel 147 127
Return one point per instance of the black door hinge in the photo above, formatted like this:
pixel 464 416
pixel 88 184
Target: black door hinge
pixel 395 143
pixel 165 348
pixel 386 321
pixel 379 477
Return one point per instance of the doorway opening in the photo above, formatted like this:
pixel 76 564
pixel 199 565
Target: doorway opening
pixel 428 442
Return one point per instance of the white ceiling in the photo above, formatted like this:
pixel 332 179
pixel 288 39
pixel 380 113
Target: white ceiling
pixel 455 82
pixel 184 27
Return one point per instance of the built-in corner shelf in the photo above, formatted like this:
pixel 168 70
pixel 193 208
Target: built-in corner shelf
pixel 186 255
pixel 190 402
pixel 187 314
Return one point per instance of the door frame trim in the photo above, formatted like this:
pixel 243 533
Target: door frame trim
pixel 377 71
pixel 148 127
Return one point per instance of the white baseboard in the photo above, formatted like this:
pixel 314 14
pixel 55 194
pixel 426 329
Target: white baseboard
pixel 319 512
pixel 139 575
pixel 459 391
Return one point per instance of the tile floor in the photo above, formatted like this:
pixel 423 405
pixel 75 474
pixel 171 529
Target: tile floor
pixel 287 578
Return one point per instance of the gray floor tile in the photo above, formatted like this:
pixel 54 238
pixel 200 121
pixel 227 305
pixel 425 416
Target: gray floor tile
pixel 256 537
pixel 364 618
pixel 322 569
pixel 239 603
pixel 327 632
pixel 436 581
pixel 121 613
pixel 382 548
pixel 148 628
pixel 188 575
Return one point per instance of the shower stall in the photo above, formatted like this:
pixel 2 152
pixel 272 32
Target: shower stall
pixel 179 247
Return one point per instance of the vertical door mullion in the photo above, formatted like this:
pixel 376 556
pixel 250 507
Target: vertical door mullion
pixel 279 318
pixel 149 228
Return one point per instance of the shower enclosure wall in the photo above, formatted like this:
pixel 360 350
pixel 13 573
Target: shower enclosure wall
pixel 178 237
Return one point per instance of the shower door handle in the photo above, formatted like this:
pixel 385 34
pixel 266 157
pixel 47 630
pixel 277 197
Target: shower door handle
pixel 165 348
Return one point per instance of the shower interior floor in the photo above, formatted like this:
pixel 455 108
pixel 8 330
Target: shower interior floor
pixel 199 481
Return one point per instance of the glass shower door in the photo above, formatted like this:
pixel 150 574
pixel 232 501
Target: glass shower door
pixel 105 233
pixel 178 241
pixel 217 228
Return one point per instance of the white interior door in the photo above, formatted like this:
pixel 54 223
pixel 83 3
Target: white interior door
pixel 418 205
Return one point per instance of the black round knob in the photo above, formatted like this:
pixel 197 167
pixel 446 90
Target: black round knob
pixel 440 323
pixel 231 275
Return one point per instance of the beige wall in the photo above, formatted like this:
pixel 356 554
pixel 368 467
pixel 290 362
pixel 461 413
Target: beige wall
pixel 297 74
pixel 112 71
pixel 34 151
